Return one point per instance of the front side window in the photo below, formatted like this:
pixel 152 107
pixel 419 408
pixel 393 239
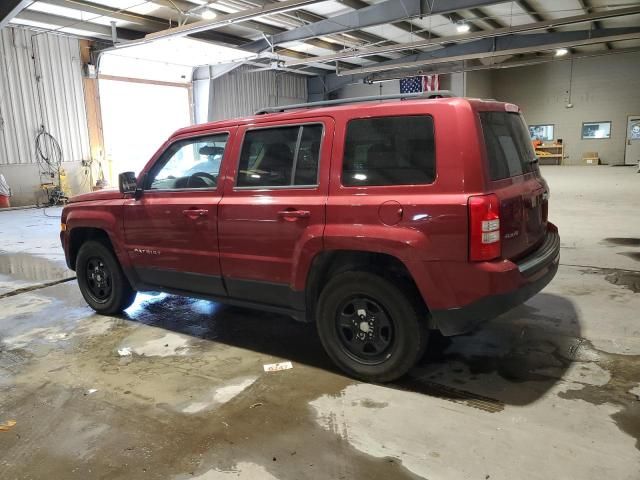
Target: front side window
pixel 282 156
pixel 389 151
pixel 191 163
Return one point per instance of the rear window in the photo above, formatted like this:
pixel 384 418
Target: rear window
pixel 509 149
pixel 389 151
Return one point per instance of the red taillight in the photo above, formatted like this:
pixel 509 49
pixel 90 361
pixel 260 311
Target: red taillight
pixel 484 227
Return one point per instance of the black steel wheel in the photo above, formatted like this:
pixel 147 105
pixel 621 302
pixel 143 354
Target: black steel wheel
pixel 101 279
pixel 371 327
pixel 364 329
pixel 98 279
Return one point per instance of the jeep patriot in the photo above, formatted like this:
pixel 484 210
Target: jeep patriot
pixel 377 220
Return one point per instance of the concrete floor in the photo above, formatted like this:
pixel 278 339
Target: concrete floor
pixel 175 388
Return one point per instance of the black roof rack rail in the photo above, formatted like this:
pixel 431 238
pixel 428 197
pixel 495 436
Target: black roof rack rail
pixel 373 98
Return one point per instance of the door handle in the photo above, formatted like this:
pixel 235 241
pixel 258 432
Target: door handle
pixel 294 214
pixel 194 213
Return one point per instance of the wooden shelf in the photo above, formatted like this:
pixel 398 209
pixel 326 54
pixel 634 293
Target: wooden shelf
pixel 555 154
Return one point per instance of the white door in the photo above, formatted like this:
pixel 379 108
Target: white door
pixel 632 152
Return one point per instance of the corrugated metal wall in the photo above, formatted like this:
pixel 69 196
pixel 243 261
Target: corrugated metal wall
pixel 47 91
pixel 241 92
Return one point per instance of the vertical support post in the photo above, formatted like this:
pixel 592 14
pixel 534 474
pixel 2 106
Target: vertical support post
pixel 94 114
pixel 114 33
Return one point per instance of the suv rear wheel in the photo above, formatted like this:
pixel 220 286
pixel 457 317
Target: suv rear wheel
pixel 101 280
pixel 369 327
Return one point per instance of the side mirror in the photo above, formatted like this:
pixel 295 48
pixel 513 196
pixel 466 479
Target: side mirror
pixel 127 182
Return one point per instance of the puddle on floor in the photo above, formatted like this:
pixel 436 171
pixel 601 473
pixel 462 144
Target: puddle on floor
pixel 633 255
pixel 22 266
pixel 630 280
pixel 624 241
pixel 624 371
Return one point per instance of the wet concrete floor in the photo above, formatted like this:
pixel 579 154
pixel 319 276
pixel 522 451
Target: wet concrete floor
pixel 175 387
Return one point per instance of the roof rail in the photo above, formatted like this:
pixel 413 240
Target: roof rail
pixel 373 98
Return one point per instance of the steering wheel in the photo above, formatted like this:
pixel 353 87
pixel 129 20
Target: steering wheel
pixel 207 178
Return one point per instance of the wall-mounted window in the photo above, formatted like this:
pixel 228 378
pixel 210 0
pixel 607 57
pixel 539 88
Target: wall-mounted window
pixel 596 130
pixel 543 133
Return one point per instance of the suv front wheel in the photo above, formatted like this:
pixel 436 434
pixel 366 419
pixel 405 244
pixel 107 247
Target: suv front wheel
pixel 369 327
pixel 101 280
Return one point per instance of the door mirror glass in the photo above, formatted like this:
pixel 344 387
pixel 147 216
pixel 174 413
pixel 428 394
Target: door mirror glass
pixel 127 182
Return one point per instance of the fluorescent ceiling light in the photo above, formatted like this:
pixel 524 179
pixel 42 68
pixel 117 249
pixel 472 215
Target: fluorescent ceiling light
pixel 463 27
pixel 208 14
pixel 560 52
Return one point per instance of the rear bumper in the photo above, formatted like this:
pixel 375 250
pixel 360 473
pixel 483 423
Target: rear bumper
pixel 528 276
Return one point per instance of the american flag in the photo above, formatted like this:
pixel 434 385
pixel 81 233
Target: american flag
pixel 423 83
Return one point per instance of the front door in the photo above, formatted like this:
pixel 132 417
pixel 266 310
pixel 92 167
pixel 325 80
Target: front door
pixel 171 230
pixel 632 152
pixel 273 209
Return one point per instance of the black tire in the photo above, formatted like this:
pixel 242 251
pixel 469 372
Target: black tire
pixel 395 329
pixel 102 282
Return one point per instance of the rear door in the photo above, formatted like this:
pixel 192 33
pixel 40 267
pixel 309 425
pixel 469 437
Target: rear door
pixel 515 177
pixel 273 207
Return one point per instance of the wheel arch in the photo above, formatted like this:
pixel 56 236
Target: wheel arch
pixel 327 264
pixel 79 235
pixel 86 223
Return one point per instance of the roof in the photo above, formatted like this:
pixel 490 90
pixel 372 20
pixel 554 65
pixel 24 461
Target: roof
pixel 372 107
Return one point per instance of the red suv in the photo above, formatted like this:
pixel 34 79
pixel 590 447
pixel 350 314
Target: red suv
pixel 377 220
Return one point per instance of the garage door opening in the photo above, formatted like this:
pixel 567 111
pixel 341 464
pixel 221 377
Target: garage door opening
pixel 145 95
pixel 137 118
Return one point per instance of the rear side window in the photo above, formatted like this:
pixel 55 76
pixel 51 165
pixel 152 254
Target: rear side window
pixel 389 151
pixel 279 157
pixel 508 144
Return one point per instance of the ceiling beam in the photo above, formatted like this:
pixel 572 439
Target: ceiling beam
pixel 148 24
pixel 456 67
pixel 388 11
pixel 558 22
pixel 532 12
pixel 231 18
pixel 481 15
pixel 586 7
pixel 489 47
pixel 405 25
pixel 10 8
pixel 65 22
pixel 306 16
pixel 144 22
pixel 267 29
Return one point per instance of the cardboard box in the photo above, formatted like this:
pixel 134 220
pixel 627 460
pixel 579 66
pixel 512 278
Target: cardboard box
pixel 590 158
